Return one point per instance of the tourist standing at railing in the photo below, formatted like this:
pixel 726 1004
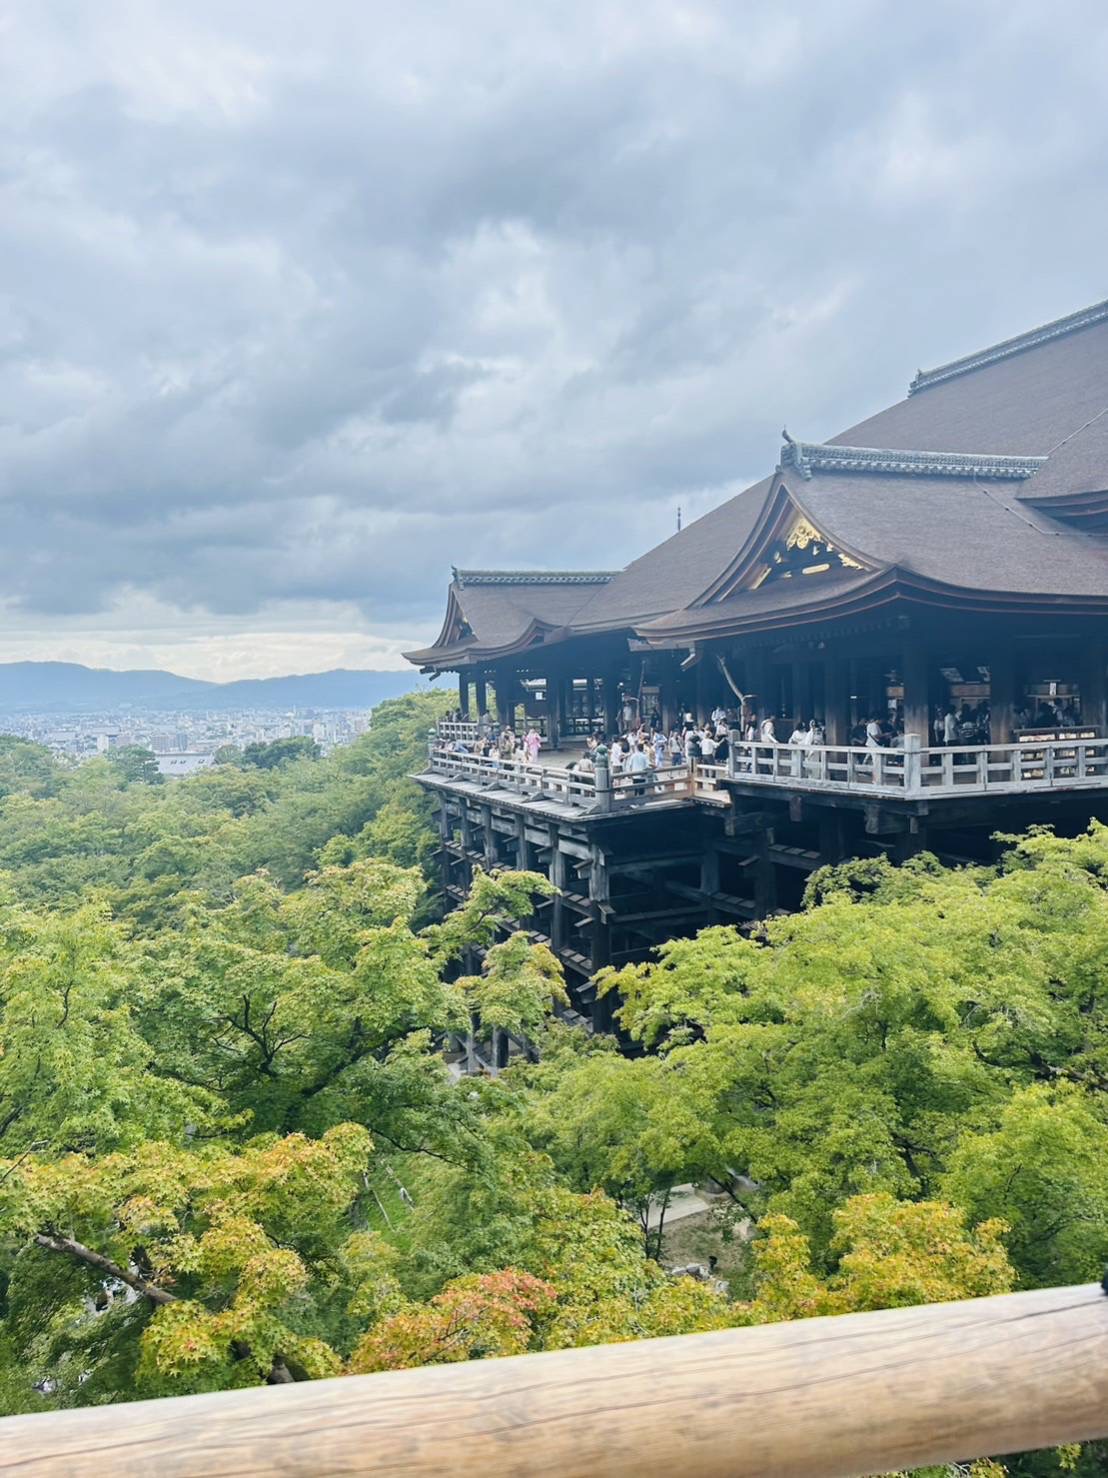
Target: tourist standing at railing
pixel 659 746
pixel 638 766
pixel 533 744
pixel 768 732
pixel 708 747
pixel 798 742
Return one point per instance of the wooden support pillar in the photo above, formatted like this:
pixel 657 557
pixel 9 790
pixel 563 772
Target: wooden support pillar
pixel 709 870
pixel 492 858
pixel 445 836
pixel 482 696
pixel 557 907
pixel 765 688
pixel 590 702
pixel 701 690
pixel 501 1047
pixel 555 708
pixel 912 841
pixel 611 702
pixel 1002 694
pixel 463 693
pixel 600 933
pixel 802 692
pixel 523 846
pixel 506 688
pixel 832 842
pixel 765 880
pixel 669 679
pixel 1094 685
pixel 915 671
pixel 836 699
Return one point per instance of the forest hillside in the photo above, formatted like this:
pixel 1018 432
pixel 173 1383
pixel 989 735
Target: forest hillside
pixel 232 1150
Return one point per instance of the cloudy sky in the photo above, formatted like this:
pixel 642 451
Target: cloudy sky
pixel 302 303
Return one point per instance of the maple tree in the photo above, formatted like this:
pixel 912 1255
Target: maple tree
pixel 231 1150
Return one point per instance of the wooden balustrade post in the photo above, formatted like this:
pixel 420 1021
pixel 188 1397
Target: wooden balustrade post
pixel 602 780
pixel 913 779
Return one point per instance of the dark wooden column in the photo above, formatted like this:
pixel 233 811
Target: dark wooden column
pixel 492 855
pixel 802 691
pixel 765 688
pixel 504 684
pixel 765 879
pixel 523 847
pixel 556 707
pixel 481 695
pixel 1002 693
pixel 669 693
pixel 702 676
pixel 1094 684
pixel 915 670
pixel 836 699
pixel 600 933
pixel 463 693
pixel 611 702
pixel 558 878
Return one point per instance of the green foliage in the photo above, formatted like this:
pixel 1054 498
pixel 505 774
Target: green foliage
pixel 231 1149
pixel 915 1031
pixel 891 1254
pixel 278 752
pixel 136 765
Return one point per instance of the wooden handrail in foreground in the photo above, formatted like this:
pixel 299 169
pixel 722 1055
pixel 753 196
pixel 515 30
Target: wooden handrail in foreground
pixel 861 1393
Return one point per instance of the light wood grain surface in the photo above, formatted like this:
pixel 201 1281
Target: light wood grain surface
pixel 862 1393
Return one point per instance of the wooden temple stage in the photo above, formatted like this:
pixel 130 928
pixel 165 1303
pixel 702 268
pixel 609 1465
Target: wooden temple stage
pixel 940 569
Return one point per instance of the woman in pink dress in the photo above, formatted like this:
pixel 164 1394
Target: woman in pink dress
pixel 533 743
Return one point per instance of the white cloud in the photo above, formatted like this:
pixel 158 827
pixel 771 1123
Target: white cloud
pixel 299 305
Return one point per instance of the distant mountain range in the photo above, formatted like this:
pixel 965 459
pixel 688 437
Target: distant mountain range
pixel 67 687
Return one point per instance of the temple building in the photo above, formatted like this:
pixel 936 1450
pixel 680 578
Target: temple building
pixel 939 569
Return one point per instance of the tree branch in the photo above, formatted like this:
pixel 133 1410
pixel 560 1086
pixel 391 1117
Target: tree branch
pixel 55 1243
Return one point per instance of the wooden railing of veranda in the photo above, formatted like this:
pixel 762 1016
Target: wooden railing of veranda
pixel 856 1394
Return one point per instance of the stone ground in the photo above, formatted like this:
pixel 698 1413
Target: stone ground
pixel 693 1233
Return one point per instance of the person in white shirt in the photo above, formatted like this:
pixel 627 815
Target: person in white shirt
pixel 638 765
pixel 950 726
pixel 798 741
pixel 767 734
pixel 708 746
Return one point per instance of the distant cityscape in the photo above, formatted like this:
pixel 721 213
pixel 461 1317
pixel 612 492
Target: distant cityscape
pixel 183 741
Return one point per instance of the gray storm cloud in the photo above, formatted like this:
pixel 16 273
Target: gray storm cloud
pixel 301 304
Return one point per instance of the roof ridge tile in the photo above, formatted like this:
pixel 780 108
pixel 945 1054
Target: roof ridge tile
pixel 1083 318
pixel 808 457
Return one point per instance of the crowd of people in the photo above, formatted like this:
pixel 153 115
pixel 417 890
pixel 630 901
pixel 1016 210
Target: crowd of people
pixel 644 746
